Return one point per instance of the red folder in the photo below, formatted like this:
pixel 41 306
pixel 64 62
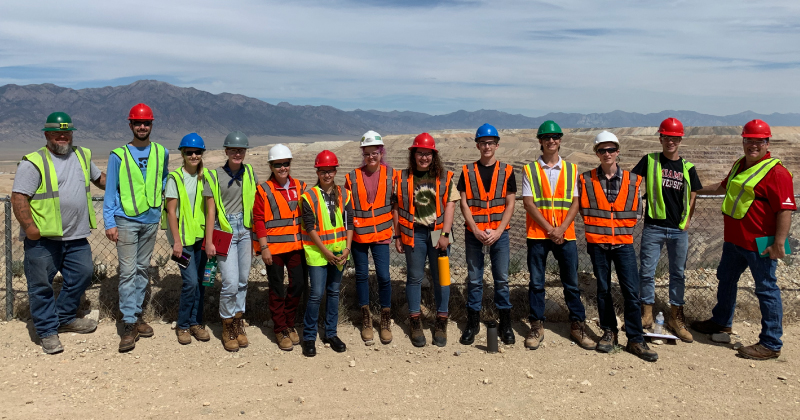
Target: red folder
pixel 222 242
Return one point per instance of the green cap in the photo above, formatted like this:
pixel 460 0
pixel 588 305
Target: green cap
pixel 549 127
pixel 58 121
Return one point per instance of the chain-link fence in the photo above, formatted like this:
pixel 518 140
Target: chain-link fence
pixel 161 299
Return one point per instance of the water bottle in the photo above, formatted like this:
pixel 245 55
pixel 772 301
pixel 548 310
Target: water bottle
pixel 210 273
pixel 338 250
pixel 486 248
pixel 443 264
pixel 659 327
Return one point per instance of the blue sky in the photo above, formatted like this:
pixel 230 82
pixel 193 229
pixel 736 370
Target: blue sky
pixel 528 57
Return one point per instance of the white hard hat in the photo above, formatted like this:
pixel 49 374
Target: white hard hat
pixel 605 137
pixel 279 151
pixel 371 138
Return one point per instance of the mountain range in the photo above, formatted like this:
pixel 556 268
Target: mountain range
pixel 100 114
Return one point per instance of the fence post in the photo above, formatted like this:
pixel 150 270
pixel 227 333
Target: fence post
pixel 9 262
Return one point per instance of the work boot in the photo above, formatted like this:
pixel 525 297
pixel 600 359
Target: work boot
pixel 79 325
pixel 199 332
pixel 577 332
pixel 336 344
pixel 417 336
pixel 184 336
pixel 129 337
pixel 506 333
pixel 535 335
pixel 386 326
pixel 241 335
pixel 440 331
pixel 309 348
pixel 677 323
pixel 229 333
pixel 642 351
pixel 366 326
pixel 144 329
pixel 293 336
pixel 608 342
pixel 472 328
pixel 284 341
pixel 647 316
pixel 758 352
pixel 51 344
pixel 710 327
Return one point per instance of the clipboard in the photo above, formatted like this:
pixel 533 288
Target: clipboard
pixel 763 242
pixel 221 240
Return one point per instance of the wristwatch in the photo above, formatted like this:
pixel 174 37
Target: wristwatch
pixel 446 234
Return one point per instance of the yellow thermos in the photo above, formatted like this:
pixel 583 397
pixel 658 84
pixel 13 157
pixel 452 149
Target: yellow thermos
pixel 444 268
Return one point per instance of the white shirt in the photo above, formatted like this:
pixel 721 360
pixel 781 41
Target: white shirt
pixel 552 173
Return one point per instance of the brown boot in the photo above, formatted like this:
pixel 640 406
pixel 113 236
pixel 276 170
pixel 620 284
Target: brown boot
pixel 386 326
pixel 647 316
pixel 293 336
pixel 129 336
pixel 144 329
pixel 758 352
pixel 677 323
pixel 199 332
pixel 367 334
pixel 241 335
pixel 417 336
pixel 535 335
pixel 578 334
pixel 184 337
pixel 229 334
pixel 608 342
pixel 440 331
pixel 710 327
pixel 284 341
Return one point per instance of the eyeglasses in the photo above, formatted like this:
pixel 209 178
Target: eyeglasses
pixel 610 151
pixel 760 142
pixel 320 172
pixel 236 151
pixel 546 137
pixel 487 143
pixel 672 139
pixel 424 154
pixel 144 123
pixel 372 154
pixel 281 165
pixel 197 152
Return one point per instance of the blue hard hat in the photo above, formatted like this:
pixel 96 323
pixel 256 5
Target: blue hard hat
pixel 192 140
pixel 486 130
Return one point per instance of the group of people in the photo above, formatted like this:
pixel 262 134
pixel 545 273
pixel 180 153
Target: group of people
pixel 311 232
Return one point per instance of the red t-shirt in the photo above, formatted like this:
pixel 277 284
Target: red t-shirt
pixel 774 193
pixel 290 194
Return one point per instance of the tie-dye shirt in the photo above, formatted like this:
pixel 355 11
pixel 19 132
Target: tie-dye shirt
pixel 425 198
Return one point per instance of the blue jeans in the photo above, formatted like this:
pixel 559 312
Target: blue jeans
pixel 424 249
pixel 677 241
pixel 235 268
pixel 734 261
pixel 324 280
pixel 500 256
pixel 380 254
pixel 624 259
pixel 567 256
pixel 190 309
pixel 134 248
pixel 43 259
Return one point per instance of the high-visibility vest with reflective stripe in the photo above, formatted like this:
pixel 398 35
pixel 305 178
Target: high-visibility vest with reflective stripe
pixel 45 203
pixel 281 219
pixel 371 222
pixel 404 186
pixel 604 222
pixel 331 236
pixel 656 208
pixel 740 190
pixel 137 194
pixel 191 224
pixel 487 208
pixel 248 198
pixel 553 206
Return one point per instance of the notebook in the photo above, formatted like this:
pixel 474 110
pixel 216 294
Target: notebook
pixel 763 242
pixel 222 242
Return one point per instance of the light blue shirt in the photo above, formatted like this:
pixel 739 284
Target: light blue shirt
pixel 112 205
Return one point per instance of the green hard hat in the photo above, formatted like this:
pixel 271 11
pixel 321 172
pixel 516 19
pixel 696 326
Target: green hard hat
pixel 236 139
pixel 58 121
pixel 549 127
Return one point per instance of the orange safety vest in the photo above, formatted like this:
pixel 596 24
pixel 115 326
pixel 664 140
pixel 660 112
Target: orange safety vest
pixel 404 185
pixel 330 236
pixel 371 222
pixel 281 219
pixel 609 223
pixel 487 208
pixel 553 206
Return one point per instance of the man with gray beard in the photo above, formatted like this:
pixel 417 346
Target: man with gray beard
pixel 53 204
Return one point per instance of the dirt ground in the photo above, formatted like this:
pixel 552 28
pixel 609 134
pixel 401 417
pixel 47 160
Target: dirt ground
pixel 161 378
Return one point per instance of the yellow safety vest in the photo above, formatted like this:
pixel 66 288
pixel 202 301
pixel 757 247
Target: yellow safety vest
pixel 656 209
pixel 739 192
pixel 248 198
pixel 134 191
pixel 191 224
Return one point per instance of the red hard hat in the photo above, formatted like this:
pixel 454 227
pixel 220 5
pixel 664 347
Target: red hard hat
pixel 756 129
pixel 424 141
pixel 671 127
pixel 141 112
pixel 326 158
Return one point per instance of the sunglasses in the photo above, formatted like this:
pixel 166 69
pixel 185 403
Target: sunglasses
pixel 546 137
pixel 193 152
pixel 610 151
pixel 144 123
pixel 672 139
pixel 281 165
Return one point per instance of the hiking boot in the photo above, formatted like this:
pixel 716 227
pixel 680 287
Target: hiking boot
pixel 336 343
pixel 677 323
pixel 642 351
pixel 79 325
pixel 51 344
pixel 144 329
pixel 417 336
pixel 472 328
pixel 199 332
pixel 440 332
pixel 506 333
pixel 710 327
pixel 577 332
pixel 386 326
pixel 647 316
pixel 229 341
pixel 184 336
pixel 758 352
pixel 284 341
pixel 366 326
pixel 309 348
pixel 241 335
pixel 535 335
pixel 608 342
pixel 293 336
pixel 129 337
